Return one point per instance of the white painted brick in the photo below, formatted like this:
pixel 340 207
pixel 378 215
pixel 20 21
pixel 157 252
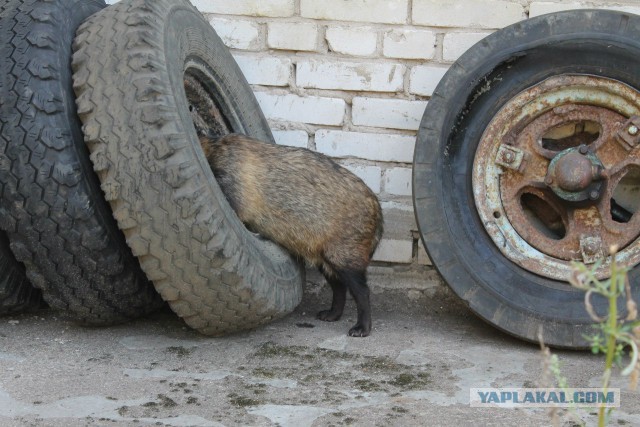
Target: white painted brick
pixel 370 146
pixel 292 138
pixel 388 113
pixel 455 44
pixel 375 77
pixel 237 34
pixel 398 251
pixel 466 13
pixel 371 175
pixel 273 8
pixel 397 181
pixel 268 71
pixel 357 41
pixel 382 11
pixel 423 257
pixel 292 36
pixel 626 9
pixel 424 79
pixel 409 44
pixel 542 7
pixel 310 109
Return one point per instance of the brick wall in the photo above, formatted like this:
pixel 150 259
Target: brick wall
pixel 351 78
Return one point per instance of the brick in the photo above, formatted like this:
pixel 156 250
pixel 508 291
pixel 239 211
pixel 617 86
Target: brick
pixel 371 175
pixel 379 11
pixel 292 138
pixel 237 34
pixel 423 79
pixel 272 8
pixel 310 109
pixel 543 7
pixel 455 44
pixel 397 251
pixel 387 113
pixel 409 44
pixel 292 36
pixel 355 41
pixel 268 71
pixel 374 77
pixel 627 9
pixel 466 13
pixel 399 220
pixel 369 146
pixel 397 181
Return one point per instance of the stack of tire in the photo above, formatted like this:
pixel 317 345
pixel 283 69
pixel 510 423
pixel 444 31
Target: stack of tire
pixel 108 206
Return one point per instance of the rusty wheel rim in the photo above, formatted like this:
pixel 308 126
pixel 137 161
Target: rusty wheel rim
pixel 556 176
pixel 206 112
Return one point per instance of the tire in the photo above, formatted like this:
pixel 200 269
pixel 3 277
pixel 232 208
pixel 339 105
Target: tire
pixel 52 207
pixel 499 283
pixel 129 63
pixel 16 293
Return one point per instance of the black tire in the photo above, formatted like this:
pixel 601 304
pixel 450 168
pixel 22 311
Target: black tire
pixel 52 207
pixel 130 63
pixel 16 293
pixel 494 71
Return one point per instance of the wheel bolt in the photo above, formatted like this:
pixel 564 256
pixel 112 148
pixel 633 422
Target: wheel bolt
pixel 594 195
pixel 508 157
pixel 548 180
pixel 633 130
pixel 583 149
pixel 590 248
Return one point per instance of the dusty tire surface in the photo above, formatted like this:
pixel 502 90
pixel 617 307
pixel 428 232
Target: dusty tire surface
pixel 16 293
pixel 131 63
pixel 517 60
pixel 52 207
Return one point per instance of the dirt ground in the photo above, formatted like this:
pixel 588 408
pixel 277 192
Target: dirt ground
pixel 425 352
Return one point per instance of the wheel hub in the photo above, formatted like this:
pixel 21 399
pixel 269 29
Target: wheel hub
pixel 557 173
pixel 575 175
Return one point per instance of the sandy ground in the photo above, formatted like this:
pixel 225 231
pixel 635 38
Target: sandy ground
pixel 426 351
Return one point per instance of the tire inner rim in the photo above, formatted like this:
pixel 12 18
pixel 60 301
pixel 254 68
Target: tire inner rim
pixel 205 112
pixel 556 176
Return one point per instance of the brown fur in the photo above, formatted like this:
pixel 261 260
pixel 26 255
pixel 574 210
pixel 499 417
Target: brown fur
pixel 302 200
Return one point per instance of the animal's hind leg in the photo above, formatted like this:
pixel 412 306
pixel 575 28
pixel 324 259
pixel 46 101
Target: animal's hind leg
pixel 339 297
pixel 356 282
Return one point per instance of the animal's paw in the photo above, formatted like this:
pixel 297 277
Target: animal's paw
pixel 329 316
pixel 359 331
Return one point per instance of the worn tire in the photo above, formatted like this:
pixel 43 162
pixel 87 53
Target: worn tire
pixel 472 92
pixel 130 62
pixel 52 207
pixel 16 293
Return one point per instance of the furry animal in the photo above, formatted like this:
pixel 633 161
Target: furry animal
pixel 310 205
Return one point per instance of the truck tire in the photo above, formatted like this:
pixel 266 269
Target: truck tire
pixel 525 101
pixel 52 207
pixel 142 71
pixel 16 293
